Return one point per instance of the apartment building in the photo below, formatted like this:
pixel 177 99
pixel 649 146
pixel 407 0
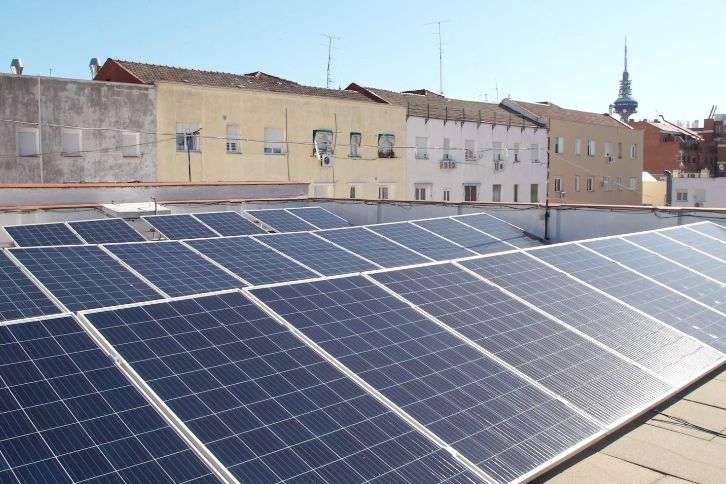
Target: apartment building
pixel 669 147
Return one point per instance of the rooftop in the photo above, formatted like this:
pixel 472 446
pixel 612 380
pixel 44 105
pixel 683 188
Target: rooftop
pixel 552 111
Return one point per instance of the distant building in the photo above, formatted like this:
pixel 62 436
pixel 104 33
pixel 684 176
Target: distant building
pixel 707 192
pixel 625 106
pixel 713 147
pixel 593 158
pixel 460 150
pixel 668 147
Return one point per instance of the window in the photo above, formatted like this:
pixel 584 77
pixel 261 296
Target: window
pixel 232 144
pixel 606 150
pixel 422 148
pixel 620 150
pixel 383 192
pixel 470 192
pixel 323 140
pixel 355 144
pixel 129 144
pixel 516 193
pixel 633 151
pixel 447 149
pixel 534 193
pixel 273 141
pixel 558 184
pixel 351 193
pixel 590 184
pixel 496 193
pixel 386 142
pixel 632 184
pixel 682 195
pixel 421 191
pixel 717 128
pixel 619 183
pixel 559 144
pixel 606 183
pixel 355 191
pixel 534 153
pixel 26 141
pixel 591 147
pixel 578 148
pixel 469 150
pixel 447 194
pixel 497 153
pixel 185 137
pixel 71 142
pixel 516 153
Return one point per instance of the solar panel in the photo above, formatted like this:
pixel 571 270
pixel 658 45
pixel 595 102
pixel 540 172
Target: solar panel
pixel 177 227
pixel 373 247
pixel 316 253
pixel 267 406
pixel 69 415
pixel 697 240
pixel 318 216
pixel 281 220
pixel 106 230
pixel 662 302
pixel 712 229
pixel 250 260
pixel 483 411
pixel 657 347
pixel 499 229
pixel 604 385
pixel 174 268
pixel 674 251
pixel 464 235
pixel 679 278
pixel 19 296
pixel 229 223
pixel 84 276
pixel 38 235
pixel 421 241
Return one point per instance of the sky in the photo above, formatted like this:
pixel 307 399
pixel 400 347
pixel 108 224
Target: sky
pixel 566 52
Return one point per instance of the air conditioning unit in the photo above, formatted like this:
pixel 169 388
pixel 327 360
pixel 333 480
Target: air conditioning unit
pixel 498 165
pixel 562 194
pixel 327 160
pixel 447 164
pixel 698 204
pixel 610 158
pixel 447 156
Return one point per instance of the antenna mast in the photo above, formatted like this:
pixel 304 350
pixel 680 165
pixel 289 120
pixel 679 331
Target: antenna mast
pixel 330 48
pixel 441 56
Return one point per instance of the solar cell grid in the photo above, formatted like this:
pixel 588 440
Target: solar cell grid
pixel 19 296
pixel 39 235
pixel 465 235
pixel 318 216
pixel 174 268
pixel 229 223
pixel 317 253
pixel 250 260
pixel 597 381
pixel 177 227
pixel 697 240
pixel 373 247
pixel 69 415
pixel 269 407
pixel 84 276
pixel 663 350
pixel 281 220
pixel 421 241
pixel 106 231
pixel 482 410
pixel 712 229
pixel 498 229
pixel 671 307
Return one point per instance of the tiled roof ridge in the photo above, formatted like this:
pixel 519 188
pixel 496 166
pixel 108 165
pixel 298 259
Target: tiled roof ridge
pixel 438 97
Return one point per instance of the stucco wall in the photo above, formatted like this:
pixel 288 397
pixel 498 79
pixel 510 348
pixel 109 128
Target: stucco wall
pixel 84 104
pixel 707 192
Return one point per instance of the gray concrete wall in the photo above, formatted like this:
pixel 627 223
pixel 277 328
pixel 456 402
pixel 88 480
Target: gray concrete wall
pixel 115 107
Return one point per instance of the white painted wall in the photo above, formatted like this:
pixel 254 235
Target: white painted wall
pixel 707 192
pixel 481 171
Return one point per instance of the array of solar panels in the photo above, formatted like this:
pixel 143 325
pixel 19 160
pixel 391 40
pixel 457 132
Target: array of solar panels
pixel 323 359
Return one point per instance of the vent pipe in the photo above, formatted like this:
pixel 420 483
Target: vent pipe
pixel 94 66
pixel 16 67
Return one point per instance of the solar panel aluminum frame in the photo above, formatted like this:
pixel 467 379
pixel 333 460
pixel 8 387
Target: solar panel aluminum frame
pixel 664 233
pixel 365 227
pixel 149 394
pixel 702 224
pixel 492 216
pixel 143 217
pixel 513 247
pixel 270 227
pixel 696 249
pixel 81 240
pixel 70 226
pixel 194 215
pixel 357 379
pixel 408 222
pixel 324 240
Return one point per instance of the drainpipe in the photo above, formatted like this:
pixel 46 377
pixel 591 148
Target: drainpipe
pixel 669 188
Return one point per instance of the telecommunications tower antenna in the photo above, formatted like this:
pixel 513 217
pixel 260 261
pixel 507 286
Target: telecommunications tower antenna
pixel 330 48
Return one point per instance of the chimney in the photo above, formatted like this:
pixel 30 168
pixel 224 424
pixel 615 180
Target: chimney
pixel 93 65
pixel 16 67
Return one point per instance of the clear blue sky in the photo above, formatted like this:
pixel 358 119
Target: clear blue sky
pixel 567 52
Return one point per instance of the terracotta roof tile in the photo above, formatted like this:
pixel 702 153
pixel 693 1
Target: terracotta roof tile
pixel 552 111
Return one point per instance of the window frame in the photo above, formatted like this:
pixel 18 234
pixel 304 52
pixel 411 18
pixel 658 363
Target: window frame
pixel 496 192
pixel 607 184
pixel 470 150
pixel 135 146
pixel 28 130
pixel 578 147
pixel 234 141
pixel 534 193
pixel 182 135
pixel 577 183
pixel 386 151
pixel 590 184
pixel 421 151
pixel 354 151
pixel 557 184
pixel 534 153
pixel 446 194
pixel 559 144
pixel 422 191
pixel 471 192
pixel 591 147
pixel 270 144
pixel 78 133
pixel 384 192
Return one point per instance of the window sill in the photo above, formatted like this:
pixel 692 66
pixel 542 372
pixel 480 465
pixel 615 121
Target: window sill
pixel 28 156
pixel 274 154
pixel 72 156
pixel 232 152
pixel 190 151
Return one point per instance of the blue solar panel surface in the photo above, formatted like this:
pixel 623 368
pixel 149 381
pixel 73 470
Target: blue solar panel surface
pixel 319 217
pixel 19 296
pixel 712 229
pixel 84 276
pixel 69 415
pixel 229 223
pixel 697 240
pixel 177 227
pixel 498 229
pixel 281 220
pixel 250 260
pixel 269 407
pixel 464 235
pixel 317 253
pixel 670 306
pixel 174 268
pixel 597 381
pixel 482 410
pixel 106 231
pixel 654 345
pixel 373 247
pixel 421 241
pixel 39 235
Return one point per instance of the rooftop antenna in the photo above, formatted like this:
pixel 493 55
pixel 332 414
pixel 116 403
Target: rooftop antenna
pixel 330 48
pixel 441 56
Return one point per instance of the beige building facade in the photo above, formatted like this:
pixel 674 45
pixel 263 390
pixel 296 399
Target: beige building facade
pixel 593 158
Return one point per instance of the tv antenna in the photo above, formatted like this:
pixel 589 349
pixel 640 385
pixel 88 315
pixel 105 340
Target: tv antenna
pixel 330 48
pixel 441 55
